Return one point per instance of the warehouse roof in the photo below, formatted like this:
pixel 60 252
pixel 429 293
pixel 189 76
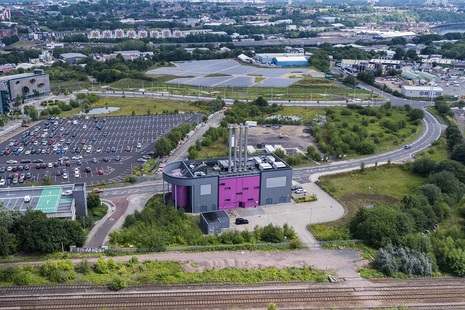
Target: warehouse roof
pixel 290 58
pixel 420 88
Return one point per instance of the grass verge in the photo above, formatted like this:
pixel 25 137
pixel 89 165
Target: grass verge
pixel 133 272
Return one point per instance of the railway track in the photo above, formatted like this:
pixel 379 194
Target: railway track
pixel 417 297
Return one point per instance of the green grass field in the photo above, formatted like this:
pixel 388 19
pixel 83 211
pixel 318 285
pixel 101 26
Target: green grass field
pixel 385 184
pixel 140 106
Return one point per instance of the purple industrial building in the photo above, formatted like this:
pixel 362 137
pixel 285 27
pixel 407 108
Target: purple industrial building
pixel 237 181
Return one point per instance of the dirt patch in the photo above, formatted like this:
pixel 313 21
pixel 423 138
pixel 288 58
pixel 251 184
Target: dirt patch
pixel 289 137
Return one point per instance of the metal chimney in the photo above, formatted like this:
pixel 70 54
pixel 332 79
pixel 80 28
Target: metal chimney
pixel 240 147
pixel 235 148
pixel 229 148
pixel 245 146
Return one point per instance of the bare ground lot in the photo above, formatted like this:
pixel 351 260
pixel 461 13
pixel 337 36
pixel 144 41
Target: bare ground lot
pixel 287 136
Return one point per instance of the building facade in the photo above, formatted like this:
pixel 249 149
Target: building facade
pixel 236 181
pixel 32 84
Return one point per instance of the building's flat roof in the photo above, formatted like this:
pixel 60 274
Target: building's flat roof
pixel 72 55
pixel 290 58
pixel 16 76
pixel 424 88
pixel 220 166
pixel 48 199
pixel 213 216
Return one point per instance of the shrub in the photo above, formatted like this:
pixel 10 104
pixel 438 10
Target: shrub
pixel 391 259
pixel 23 277
pixel 58 271
pixel 84 267
pixel 101 266
pixel 117 283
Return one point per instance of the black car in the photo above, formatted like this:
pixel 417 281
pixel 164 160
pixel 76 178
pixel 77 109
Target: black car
pixel 87 169
pixel 240 221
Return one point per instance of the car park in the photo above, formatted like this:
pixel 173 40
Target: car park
pixel 48 137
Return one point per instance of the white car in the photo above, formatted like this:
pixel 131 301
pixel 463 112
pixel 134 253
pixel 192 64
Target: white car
pixel 139 145
pixel 27 198
pixel 84 127
pixel 2 181
pixel 77 157
pixel 65 176
pixel 67 192
pixel 77 174
pixel 12 161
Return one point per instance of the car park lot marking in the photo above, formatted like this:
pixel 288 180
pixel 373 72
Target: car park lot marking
pixel 48 201
pixel 115 135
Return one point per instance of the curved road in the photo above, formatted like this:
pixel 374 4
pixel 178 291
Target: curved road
pixel 431 131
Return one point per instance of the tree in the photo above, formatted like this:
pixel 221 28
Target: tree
pixel 380 225
pixel 163 147
pixel 93 200
pixel 416 114
pixel 458 153
pixel 350 80
pixel 424 166
pixel 367 77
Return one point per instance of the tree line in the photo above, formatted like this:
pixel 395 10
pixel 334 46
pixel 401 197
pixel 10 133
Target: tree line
pixel 416 235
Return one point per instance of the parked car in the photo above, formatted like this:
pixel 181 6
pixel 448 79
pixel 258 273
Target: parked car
pixel 241 221
pixel 67 193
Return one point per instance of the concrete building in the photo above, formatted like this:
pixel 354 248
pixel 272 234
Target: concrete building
pixel 290 61
pixel 213 222
pixel 65 201
pixel 237 181
pixel 32 84
pixel 268 57
pixel 421 91
pixel 72 58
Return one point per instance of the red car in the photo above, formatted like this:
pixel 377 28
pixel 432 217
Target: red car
pixel 83 141
pixel 128 148
pixel 8 152
pixel 100 172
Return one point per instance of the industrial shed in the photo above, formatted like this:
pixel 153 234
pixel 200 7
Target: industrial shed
pixel 72 58
pixel 213 222
pixel 421 91
pixel 290 61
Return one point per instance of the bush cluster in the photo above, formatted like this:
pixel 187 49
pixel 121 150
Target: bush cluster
pixel 159 226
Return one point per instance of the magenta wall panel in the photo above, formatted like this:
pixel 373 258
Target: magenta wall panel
pixel 182 195
pixel 239 192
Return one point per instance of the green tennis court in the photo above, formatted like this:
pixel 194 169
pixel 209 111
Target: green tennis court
pixel 48 201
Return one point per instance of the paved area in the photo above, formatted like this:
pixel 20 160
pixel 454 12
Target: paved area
pixel 297 215
pixel 231 73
